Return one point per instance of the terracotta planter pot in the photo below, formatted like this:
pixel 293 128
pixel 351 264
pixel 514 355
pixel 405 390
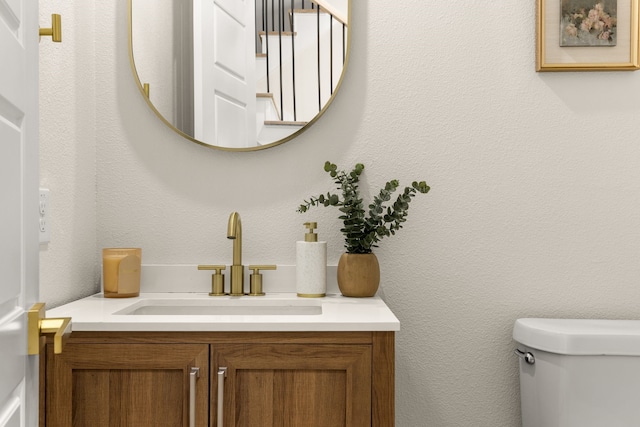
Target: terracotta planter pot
pixel 358 275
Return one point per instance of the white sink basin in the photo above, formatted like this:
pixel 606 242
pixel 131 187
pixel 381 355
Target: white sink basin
pixel 242 307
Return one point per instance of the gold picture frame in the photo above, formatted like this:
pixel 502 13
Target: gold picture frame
pixel 621 55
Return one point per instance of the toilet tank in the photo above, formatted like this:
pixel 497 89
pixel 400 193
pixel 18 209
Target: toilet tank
pixel 579 373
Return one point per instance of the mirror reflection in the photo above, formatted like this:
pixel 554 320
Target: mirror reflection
pixel 239 74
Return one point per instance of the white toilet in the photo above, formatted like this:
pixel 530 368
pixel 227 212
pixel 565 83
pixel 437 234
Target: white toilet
pixel 579 373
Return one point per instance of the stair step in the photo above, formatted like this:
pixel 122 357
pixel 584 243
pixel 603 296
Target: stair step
pixel 323 11
pixel 287 39
pixel 284 123
pixel 275 131
pixel 308 11
pixel 277 33
pixel 304 11
pixel 271 112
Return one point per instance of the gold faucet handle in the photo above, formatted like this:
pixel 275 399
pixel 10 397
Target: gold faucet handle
pixel 255 280
pixel 256 268
pixel 217 268
pixel 217 279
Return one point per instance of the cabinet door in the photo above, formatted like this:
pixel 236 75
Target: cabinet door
pixel 293 385
pixel 126 385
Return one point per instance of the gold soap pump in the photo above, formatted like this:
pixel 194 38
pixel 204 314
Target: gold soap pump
pixel 311 264
pixel 310 236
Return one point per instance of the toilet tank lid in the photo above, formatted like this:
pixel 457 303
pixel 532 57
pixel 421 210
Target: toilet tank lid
pixel 580 336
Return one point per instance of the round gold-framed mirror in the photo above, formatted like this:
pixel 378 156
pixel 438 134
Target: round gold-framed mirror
pixel 239 75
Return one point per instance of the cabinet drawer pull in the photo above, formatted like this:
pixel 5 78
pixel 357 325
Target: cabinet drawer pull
pixel 193 376
pixel 222 373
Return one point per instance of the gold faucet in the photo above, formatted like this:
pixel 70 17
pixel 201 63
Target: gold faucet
pixel 234 231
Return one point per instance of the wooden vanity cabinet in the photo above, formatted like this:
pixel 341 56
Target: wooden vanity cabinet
pixel 106 385
pixel 295 385
pixel 284 379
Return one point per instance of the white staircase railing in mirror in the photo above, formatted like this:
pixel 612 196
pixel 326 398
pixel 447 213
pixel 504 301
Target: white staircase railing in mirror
pixel 303 47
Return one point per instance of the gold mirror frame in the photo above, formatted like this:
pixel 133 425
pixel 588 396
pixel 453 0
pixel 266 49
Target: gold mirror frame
pixel 144 91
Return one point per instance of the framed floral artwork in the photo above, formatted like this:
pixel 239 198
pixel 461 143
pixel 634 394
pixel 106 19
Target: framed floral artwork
pixel 587 35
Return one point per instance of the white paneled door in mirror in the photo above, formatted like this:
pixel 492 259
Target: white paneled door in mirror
pixel 224 78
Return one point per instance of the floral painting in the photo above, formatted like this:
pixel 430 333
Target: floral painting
pixel 585 23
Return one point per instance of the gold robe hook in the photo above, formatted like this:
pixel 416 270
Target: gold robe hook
pixel 56 29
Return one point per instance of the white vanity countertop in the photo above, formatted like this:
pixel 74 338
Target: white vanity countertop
pixel 337 313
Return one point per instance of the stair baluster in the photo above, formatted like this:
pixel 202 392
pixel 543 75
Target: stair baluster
pixel 293 63
pixel 318 38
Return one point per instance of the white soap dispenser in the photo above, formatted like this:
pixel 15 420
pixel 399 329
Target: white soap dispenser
pixel 311 264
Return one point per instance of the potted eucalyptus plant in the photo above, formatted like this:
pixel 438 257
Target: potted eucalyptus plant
pixel 363 227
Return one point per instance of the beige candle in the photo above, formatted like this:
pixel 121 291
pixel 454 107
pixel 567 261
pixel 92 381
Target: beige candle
pixel 121 272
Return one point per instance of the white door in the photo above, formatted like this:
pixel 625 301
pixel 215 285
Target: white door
pixel 224 72
pixel 19 247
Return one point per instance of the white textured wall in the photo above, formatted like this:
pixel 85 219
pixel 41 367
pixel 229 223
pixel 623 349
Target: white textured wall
pixel 534 211
pixel 68 264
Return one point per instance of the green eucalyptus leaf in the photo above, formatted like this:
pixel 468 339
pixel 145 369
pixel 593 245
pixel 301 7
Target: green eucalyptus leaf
pixel 363 228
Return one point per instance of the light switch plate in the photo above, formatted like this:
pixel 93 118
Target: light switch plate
pixel 44 221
